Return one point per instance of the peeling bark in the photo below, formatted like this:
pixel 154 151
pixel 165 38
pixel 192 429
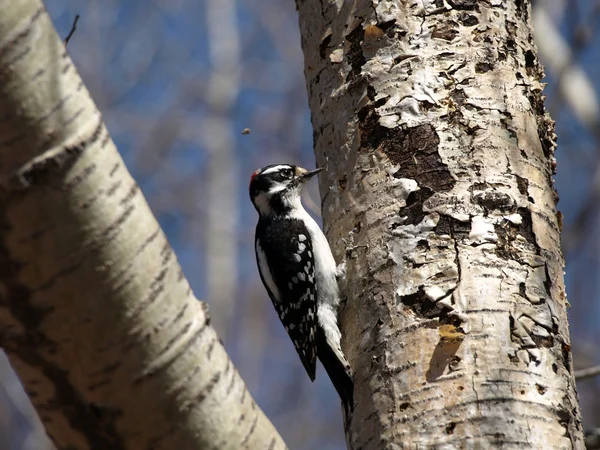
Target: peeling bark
pixel 430 122
pixel 97 318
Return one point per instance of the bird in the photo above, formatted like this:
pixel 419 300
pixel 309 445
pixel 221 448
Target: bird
pixel 299 273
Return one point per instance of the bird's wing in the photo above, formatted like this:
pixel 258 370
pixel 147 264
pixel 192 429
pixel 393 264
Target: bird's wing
pixel 287 269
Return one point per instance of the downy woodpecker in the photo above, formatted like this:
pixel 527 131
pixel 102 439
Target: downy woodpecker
pixel 299 273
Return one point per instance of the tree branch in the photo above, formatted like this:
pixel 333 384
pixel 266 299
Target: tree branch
pixel 73 28
pixel 590 372
pixel 96 316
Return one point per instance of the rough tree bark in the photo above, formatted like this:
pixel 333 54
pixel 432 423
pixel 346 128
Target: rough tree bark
pixel 96 316
pixel 429 119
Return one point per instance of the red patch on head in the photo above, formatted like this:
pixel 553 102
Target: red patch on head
pixel 253 176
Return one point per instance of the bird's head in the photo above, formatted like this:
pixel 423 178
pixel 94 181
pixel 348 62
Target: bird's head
pixel 276 189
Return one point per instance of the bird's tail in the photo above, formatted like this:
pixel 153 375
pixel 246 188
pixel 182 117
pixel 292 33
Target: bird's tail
pixel 337 367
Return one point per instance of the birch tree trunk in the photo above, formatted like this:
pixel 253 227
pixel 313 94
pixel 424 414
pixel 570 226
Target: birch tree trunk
pixel 96 316
pixel 429 120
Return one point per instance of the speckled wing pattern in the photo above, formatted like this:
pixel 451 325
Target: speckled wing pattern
pixel 286 265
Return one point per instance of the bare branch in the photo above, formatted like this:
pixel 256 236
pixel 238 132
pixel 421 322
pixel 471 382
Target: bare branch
pixel 73 28
pixel 587 373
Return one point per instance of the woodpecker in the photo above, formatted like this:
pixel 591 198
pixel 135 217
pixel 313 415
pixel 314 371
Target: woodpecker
pixel 299 272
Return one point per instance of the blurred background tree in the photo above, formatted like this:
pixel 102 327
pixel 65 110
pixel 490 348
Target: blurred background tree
pixel 178 81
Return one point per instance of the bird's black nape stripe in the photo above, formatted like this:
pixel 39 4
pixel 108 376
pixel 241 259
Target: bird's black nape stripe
pixel 259 184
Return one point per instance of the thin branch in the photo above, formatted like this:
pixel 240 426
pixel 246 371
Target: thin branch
pixel 73 28
pixel 587 373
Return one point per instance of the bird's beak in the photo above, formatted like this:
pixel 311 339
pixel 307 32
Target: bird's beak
pixel 305 175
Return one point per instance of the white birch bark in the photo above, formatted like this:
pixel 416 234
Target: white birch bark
pixel 429 120
pixel 96 316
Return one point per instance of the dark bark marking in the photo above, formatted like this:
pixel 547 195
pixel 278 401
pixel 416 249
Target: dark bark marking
pixel 73 117
pixel 451 227
pixel 206 311
pixel 545 124
pixel 412 328
pixel 204 392
pixel 90 201
pixel 182 331
pixel 507 233
pixel 244 391
pixel 423 306
pixel 482 67
pixel 36 234
pixel 522 185
pixel 522 9
pixel 152 371
pixel 55 108
pixel 450 428
pixel 446 31
pixel 21 36
pixel 250 431
pixel 97 424
pixel 109 232
pixel 548 280
pixel 529 62
pixel 228 367
pixel 491 200
pixel 38 74
pixel 489 400
pixel 468 20
pixel 157 286
pixel 81 177
pixel 138 252
pixel 181 386
pixel 465 4
pixel 113 188
pixel 114 169
pixel 210 349
pixel 388 27
pixel 51 169
pixel 123 284
pixel 415 150
pixel 232 381
pixel 355 57
pixel 130 194
pixel 525 229
pixel 180 314
pixel 61 273
pixel 148 241
pixel 324 46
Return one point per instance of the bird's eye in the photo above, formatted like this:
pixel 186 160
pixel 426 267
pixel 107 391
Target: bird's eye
pixel 287 173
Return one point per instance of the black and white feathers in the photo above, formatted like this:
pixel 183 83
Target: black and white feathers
pixel 299 272
pixel 286 265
